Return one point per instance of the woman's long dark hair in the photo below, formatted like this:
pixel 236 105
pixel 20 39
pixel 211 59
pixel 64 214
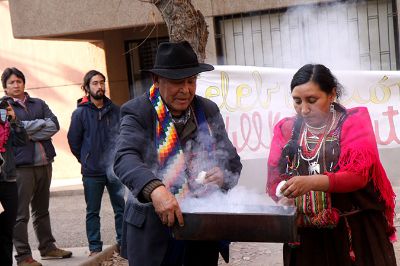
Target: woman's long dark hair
pixel 291 147
pixel 319 74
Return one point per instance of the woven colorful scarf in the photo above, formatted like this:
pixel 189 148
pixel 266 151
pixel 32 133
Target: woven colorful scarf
pixel 315 207
pixel 315 210
pixel 170 154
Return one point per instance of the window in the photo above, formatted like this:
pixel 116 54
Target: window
pixel 141 55
pixel 345 35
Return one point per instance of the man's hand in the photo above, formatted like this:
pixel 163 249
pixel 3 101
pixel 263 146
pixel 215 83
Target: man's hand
pixel 215 176
pixel 10 112
pixel 166 206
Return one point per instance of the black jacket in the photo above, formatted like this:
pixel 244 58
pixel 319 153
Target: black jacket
pixel 18 137
pixel 91 136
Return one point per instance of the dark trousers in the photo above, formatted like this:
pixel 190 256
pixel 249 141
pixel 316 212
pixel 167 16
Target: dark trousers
pixel 94 188
pixel 146 241
pixel 191 253
pixel 33 189
pixel 9 200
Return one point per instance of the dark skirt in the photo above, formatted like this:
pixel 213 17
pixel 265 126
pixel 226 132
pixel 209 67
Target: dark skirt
pixel 331 247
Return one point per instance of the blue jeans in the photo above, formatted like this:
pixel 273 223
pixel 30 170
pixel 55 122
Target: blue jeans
pixel 94 188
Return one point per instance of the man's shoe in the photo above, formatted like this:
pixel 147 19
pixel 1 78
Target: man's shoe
pixel 57 253
pixel 93 253
pixel 29 262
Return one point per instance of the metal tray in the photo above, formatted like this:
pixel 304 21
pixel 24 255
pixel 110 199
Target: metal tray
pixel 252 224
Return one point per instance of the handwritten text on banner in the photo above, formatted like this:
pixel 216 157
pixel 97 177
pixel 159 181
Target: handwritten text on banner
pixel 253 99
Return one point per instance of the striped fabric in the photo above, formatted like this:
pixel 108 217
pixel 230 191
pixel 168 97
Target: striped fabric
pixel 170 153
pixel 315 209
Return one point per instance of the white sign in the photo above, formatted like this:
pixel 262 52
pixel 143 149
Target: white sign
pixel 253 99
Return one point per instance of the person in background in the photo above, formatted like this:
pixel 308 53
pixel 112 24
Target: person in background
pixel 34 170
pixel 168 137
pixel 12 133
pixel 328 161
pixel 91 137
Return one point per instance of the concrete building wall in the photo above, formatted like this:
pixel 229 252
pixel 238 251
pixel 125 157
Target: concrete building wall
pixel 97 20
pixel 53 71
pixel 47 18
pixel 116 67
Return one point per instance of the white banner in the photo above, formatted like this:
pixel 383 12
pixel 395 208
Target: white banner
pixel 253 99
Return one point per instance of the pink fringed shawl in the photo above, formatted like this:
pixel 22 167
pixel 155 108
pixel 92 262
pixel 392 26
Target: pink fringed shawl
pixel 359 153
pixel 282 134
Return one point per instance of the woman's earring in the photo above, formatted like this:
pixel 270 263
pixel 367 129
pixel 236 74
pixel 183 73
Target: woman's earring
pixel 332 108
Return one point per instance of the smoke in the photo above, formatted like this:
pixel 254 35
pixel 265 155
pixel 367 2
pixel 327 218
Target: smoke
pixel 343 35
pixel 237 200
pixel 108 143
pixel 327 34
pixel 209 149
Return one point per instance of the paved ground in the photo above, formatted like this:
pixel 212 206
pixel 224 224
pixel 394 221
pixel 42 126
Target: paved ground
pixel 67 213
pixel 68 222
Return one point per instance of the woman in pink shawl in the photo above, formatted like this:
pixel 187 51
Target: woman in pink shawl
pixel 326 162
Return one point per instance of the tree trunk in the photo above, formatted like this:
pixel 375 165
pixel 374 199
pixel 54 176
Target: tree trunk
pixel 184 23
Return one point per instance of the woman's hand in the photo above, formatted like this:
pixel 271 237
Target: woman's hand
pixel 166 206
pixel 300 185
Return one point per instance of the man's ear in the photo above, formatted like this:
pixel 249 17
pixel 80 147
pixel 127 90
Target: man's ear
pixel 155 80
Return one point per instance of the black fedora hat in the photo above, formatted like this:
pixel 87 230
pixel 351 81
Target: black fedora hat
pixel 177 61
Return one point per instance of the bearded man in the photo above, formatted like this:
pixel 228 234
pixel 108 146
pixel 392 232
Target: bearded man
pixel 94 126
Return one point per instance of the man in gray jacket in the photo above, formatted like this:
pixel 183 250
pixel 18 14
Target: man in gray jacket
pixel 34 170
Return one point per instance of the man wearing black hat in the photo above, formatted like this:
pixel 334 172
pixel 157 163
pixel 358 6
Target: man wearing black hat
pixel 172 145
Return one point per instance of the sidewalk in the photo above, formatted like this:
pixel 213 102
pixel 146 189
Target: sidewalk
pixel 80 257
pixel 66 187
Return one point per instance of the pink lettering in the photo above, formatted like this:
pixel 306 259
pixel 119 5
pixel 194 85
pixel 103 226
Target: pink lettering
pixel 392 129
pixel 251 132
